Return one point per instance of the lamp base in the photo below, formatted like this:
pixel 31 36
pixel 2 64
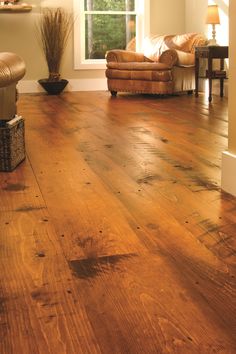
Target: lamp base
pixel 212 42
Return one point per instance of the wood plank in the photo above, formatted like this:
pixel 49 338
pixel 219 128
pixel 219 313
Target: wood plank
pixel 37 312
pixel 171 180
pixel 114 232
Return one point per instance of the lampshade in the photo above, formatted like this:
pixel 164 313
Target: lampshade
pixel 213 15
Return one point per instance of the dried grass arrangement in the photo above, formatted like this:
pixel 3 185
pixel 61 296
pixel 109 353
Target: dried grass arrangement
pixel 53 29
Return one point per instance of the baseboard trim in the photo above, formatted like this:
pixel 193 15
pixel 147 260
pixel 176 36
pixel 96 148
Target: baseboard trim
pixel 228 181
pixel 32 86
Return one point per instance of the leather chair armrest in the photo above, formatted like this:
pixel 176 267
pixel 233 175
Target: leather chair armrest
pixel 12 68
pixel 168 57
pixel 119 55
pixel 184 58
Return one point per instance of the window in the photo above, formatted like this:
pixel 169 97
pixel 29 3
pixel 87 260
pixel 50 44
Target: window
pixel 101 25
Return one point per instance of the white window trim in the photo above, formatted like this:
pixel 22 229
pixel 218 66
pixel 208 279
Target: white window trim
pixel 143 29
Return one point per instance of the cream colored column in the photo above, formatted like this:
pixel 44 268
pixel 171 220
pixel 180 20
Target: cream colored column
pixel 228 181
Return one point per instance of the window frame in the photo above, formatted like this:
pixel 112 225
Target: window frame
pixel 142 12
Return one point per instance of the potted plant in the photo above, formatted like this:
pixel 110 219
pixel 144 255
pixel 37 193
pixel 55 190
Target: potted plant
pixel 53 29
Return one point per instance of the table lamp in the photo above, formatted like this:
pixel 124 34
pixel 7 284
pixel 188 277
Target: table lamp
pixel 213 19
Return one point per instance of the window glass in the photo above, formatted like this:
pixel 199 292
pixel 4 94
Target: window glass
pixel 109 5
pixel 103 25
pixel 105 32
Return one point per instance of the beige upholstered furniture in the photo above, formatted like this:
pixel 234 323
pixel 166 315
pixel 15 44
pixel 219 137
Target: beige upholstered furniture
pixel 12 69
pixel 165 66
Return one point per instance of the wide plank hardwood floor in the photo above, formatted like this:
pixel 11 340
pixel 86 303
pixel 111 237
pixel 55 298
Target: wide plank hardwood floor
pixel 115 236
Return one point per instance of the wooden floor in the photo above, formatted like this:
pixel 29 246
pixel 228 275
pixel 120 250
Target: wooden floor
pixel 115 236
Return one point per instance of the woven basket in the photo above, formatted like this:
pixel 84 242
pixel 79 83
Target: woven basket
pixel 12 144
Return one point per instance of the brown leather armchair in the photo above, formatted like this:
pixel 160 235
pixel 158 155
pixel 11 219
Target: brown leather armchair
pixel 12 144
pixel 165 66
pixel 12 69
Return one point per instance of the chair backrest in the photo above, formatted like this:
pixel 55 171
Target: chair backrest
pixel 155 45
pixel 186 42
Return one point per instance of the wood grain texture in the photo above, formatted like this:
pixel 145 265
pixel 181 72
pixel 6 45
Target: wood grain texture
pixel 115 236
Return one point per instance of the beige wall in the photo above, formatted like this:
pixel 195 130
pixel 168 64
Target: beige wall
pixel 167 16
pixel 228 173
pixel 17 35
pixel 232 81
pixel 195 19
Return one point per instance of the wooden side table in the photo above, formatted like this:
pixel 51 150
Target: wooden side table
pixel 210 53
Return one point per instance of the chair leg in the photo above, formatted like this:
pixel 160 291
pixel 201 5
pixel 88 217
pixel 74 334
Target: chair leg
pixel 190 92
pixel 113 93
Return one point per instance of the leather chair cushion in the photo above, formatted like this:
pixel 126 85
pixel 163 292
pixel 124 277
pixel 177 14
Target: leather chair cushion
pixel 138 66
pixel 146 75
